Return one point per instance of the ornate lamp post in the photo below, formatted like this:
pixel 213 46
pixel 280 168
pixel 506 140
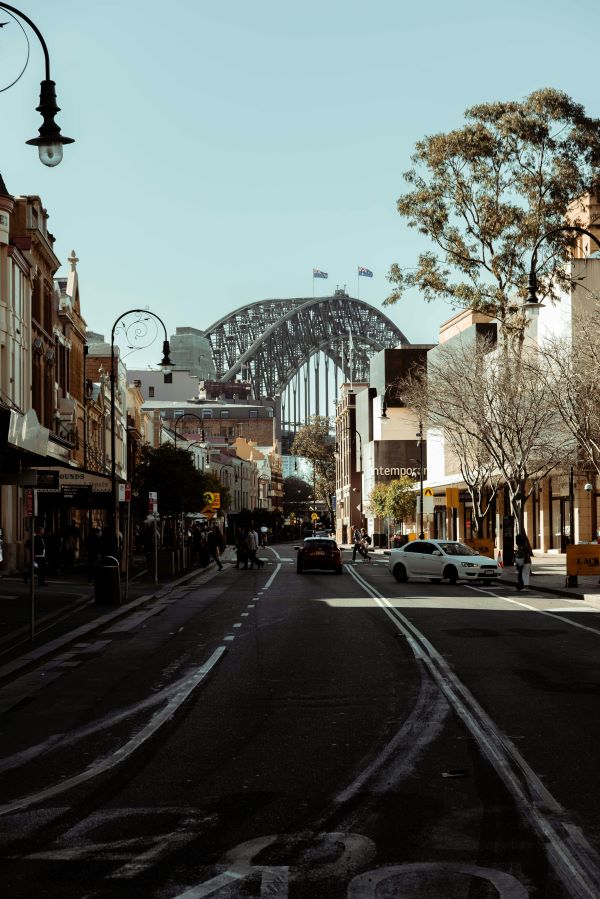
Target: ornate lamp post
pixel 136 332
pixel 50 141
pixel 186 415
pixel 532 298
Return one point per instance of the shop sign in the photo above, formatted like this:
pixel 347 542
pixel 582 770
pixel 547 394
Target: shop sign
pixel 583 559
pixel 54 480
pixel 483 546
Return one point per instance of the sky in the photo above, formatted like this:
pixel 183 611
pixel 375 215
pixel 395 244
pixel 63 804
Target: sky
pixel 224 150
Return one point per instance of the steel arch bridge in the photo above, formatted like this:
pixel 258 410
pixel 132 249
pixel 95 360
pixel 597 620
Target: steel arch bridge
pixel 271 341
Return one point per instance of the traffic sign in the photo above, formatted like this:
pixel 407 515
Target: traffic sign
pixel 314 517
pixel 428 492
pixel 213 500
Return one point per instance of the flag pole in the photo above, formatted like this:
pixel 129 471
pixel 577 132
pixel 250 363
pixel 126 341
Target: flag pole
pixel 358 285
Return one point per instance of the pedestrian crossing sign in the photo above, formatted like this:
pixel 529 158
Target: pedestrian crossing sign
pixel 428 492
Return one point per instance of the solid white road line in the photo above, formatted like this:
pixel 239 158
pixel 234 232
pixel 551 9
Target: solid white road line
pixel 125 751
pixel 573 858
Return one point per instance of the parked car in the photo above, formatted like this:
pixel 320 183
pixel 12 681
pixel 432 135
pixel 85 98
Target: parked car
pixel 442 560
pixel 319 553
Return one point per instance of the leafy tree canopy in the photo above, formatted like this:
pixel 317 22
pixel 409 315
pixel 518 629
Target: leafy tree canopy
pixel 485 193
pixel 172 474
pixel 401 499
pixel 315 443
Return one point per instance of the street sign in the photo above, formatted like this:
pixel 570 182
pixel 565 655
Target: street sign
pixel 583 558
pixel 125 493
pixel 30 503
pixel 452 498
pixel 292 516
pixel 428 491
pixel 314 517
pixel 153 502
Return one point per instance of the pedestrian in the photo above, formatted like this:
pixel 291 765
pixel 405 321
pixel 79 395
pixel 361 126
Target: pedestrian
pixel 213 541
pixel 251 547
pixel 365 543
pixel 359 545
pixel 523 556
pixel 39 557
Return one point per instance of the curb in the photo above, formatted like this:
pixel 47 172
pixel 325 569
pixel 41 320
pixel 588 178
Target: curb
pixel 35 655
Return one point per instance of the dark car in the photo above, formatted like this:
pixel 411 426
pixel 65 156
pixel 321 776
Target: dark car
pixel 319 553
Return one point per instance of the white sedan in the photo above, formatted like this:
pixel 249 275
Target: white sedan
pixel 442 559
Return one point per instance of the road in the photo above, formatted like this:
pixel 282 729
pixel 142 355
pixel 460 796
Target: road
pixel 274 735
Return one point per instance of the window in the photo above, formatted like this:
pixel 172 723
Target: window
pixel 253 413
pixel 224 413
pixel 168 377
pixel 415 547
pixel 207 413
pixel 151 392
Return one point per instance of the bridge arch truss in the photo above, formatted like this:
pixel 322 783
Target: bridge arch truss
pixel 271 344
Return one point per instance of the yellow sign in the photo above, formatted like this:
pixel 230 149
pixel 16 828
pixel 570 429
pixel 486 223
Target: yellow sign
pixel 428 492
pixel 314 517
pixel 208 511
pixel 212 500
pixel 452 498
pixel 292 515
pixel 483 546
pixel 583 558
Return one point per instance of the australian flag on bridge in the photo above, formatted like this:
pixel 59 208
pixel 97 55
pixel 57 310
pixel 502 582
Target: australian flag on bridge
pixel 364 272
pixel 317 273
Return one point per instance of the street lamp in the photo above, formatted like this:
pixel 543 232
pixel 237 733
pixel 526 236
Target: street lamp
pixel 180 417
pixel 532 298
pixel 200 443
pixel 420 445
pixel 135 330
pixel 384 399
pixel 50 141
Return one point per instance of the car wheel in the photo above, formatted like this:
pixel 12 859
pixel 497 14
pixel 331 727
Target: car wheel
pixel 451 574
pixel 435 580
pixel 339 570
pixel 400 573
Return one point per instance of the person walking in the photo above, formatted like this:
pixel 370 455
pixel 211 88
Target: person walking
pixel 213 541
pixel 365 542
pixel 359 546
pixel 251 547
pixel 523 561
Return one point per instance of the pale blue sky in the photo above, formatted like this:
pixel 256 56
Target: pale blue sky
pixel 224 150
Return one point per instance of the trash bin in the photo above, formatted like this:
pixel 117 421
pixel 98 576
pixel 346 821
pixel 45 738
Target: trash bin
pixel 107 582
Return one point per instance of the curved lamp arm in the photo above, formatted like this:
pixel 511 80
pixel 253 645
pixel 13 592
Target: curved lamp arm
pixel 165 363
pixel 532 296
pixel 50 141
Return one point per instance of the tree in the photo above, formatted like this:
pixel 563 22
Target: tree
pixel 296 495
pixel 569 368
pixel 377 500
pixel 497 418
pixel 315 443
pixel 485 193
pixel 171 473
pixel 401 500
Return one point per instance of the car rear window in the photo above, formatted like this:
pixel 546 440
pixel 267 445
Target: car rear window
pixel 320 544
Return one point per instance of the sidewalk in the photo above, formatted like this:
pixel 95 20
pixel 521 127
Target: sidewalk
pixel 65 610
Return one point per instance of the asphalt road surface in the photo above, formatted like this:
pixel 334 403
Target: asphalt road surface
pixel 269 734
